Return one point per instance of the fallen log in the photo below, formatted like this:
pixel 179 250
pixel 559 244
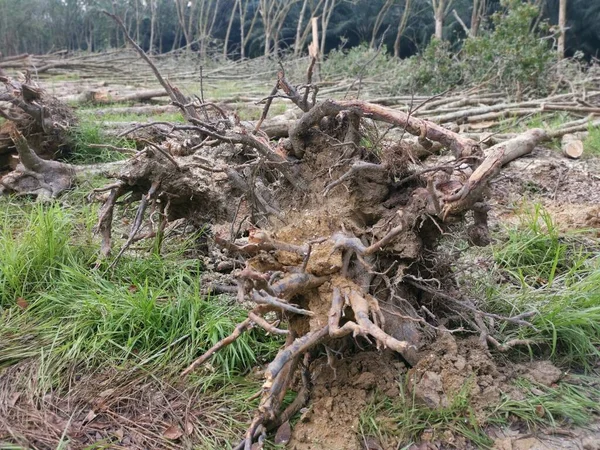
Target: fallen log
pixel 104 97
pixel 136 110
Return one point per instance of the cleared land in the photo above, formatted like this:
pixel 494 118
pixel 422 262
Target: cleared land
pixel 92 344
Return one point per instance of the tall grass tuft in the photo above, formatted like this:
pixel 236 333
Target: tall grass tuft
pixel 558 277
pixel 149 311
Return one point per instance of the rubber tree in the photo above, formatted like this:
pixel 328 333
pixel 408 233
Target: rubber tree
pixel 441 8
pixel 562 26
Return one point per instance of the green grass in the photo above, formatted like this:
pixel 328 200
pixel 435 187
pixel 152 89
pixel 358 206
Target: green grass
pixel 573 402
pixel 555 275
pixel 535 252
pixel 140 324
pixel 149 310
pixel 88 133
pixel 88 115
pixel 546 121
pixel 591 144
pixel 401 421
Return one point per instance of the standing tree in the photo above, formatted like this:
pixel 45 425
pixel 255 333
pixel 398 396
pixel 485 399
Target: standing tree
pixel 441 8
pixel 562 24
pixel 401 27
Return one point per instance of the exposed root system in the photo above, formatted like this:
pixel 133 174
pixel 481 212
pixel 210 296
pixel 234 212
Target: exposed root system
pixel 333 244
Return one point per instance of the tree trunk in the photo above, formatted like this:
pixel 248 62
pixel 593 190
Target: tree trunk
pixel 439 27
pixel 137 20
pixel 228 33
pixel 478 13
pixel 152 25
pixel 440 10
pixel 562 24
pixel 401 28
pixel 379 21
pixel 267 42
pixel 327 12
pixel 297 45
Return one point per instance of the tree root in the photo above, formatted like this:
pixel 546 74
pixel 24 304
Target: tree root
pixel 34 175
pixel 137 223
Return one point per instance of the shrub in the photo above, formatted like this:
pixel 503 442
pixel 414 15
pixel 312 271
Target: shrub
pixel 515 55
pixel 435 70
pixel 358 61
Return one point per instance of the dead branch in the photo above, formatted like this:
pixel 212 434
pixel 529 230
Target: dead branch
pixel 460 146
pixel 237 332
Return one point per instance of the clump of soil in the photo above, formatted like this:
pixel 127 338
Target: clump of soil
pixel 450 366
pixel 342 389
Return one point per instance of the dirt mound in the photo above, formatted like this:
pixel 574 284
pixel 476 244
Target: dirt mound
pixel 450 367
pixel 568 189
pixel 342 389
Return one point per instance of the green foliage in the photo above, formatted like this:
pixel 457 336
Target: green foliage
pixel 514 55
pixel 359 61
pixel 592 142
pixel 435 70
pixel 511 56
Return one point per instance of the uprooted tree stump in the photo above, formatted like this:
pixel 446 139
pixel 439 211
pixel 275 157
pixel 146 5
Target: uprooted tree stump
pixel 333 243
pixel 36 131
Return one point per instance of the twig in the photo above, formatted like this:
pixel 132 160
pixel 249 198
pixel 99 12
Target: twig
pixel 237 332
